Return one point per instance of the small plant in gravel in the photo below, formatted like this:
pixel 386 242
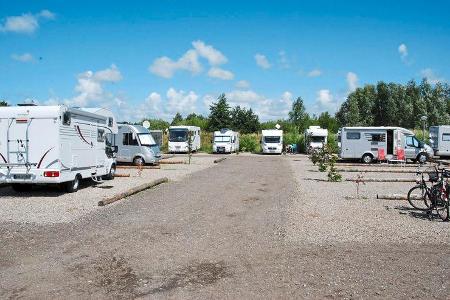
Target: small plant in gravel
pixel 323 159
pixel 326 160
pixel 189 140
pixel 314 156
pixel 333 174
pixel 359 180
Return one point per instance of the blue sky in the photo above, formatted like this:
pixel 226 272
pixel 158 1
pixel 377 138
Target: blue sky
pixel 154 58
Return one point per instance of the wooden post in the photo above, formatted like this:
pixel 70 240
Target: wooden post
pixel 219 160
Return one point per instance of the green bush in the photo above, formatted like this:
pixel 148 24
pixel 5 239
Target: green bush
pixel 249 143
pixel 332 143
pixel 295 138
pixel 206 142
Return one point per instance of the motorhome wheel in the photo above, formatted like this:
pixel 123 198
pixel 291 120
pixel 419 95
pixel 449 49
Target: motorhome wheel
pixel 17 187
pixel 138 161
pixel 72 186
pixel 422 158
pixel 367 158
pixel 111 173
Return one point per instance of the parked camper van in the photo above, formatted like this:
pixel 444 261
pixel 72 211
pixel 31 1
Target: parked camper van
pixel 178 138
pixel 136 144
pixel 440 140
pixel 364 143
pixel 55 145
pixel 272 141
pixel 225 141
pixel 315 138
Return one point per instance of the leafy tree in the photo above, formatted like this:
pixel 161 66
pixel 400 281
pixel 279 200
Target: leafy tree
pixel 298 115
pixel 325 120
pixel 244 120
pixel 177 120
pixel 196 120
pixel 220 116
pixel 3 103
pixel 158 124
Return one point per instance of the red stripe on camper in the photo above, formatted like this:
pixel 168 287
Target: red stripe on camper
pixel 81 135
pixel 3 158
pixel 42 158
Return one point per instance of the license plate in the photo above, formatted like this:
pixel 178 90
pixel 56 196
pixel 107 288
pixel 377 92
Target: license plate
pixel 22 176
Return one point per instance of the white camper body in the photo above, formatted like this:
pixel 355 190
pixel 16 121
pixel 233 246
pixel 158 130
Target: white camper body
pixel 225 141
pixel 135 144
pixel 55 144
pixel 178 138
pixel 315 137
pixel 363 143
pixel 440 140
pixel 272 141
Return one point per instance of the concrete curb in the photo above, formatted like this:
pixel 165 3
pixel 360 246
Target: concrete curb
pixel 132 191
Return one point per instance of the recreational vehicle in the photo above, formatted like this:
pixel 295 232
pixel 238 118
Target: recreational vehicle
pixel 136 145
pixel 315 138
pixel 272 141
pixel 55 145
pixel 440 140
pixel 178 138
pixel 225 141
pixel 368 143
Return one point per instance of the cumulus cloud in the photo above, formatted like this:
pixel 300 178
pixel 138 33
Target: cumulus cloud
pixel 431 76
pixel 314 73
pixel 403 51
pixel 25 23
pixel 190 61
pixel 216 72
pixel 262 61
pixel 325 100
pixel 352 81
pixel 26 57
pixel 111 74
pixel 242 84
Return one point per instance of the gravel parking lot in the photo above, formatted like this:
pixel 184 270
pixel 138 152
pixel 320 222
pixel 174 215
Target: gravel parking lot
pixel 49 205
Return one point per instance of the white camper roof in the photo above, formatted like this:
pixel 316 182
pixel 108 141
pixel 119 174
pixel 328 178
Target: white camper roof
pixel 185 127
pixel 103 112
pixel 224 131
pixel 32 111
pixel 316 131
pixel 404 130
pixel 272 132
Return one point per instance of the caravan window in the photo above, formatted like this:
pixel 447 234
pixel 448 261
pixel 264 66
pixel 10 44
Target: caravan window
pixel 66 118
pixel 378 137
pixel 446 137
pixel 130 139
pixel 353 135
pixel 110 122
pixel 411 141
pixel 222 138
pixel 100 135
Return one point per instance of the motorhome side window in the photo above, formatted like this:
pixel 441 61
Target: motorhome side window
pixel 446 137
pixel 377 137
pixel 66 118
pixel 353 135
pixel 100 135
pixel 412 141
pixel 110 122
pixel 130 139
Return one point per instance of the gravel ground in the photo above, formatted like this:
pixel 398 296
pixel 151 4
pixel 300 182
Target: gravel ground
pixel 329 213
pixel 49 205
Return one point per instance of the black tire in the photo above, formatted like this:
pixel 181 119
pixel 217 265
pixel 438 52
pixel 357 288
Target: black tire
pixel 72 186
pixel 418 197
pixel 442 209
pixel 138 161
pixel 111 174
pixel 422 158
pixel 21 188
pixel 367 158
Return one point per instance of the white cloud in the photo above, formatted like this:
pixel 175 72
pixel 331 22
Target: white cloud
pixel 352 81
pixel 166 67
pixel 214 56
pixel 262 61
pixel 403 51
pixel 314 73
pixel 181 101
pixel 216 72
pixel 26 57
pixel 325 100
pixel 242 84
pixel 111 74
pixel 431 76
pixel 25 23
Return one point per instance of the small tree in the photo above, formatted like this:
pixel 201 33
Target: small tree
pixel 333 175
pixel 177 120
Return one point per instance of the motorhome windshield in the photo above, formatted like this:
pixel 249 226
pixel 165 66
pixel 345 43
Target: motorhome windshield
pixel 272 139
pixel 146 139
pixel 178 135
pixel 222 139
pixel 317 139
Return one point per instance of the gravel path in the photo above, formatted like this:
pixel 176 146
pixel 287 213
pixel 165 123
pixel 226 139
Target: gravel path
pixel 246 228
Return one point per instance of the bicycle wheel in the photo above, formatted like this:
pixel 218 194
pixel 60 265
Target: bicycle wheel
pixel 441 207
pixel 417 197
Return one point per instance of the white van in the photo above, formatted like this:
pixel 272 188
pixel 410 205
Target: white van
pixel 136 145
pixel 440 140
pixel 272 141
pixel 364 142
pixel 315 138
pixel 225 141
pixel 178 138
pixel 55 145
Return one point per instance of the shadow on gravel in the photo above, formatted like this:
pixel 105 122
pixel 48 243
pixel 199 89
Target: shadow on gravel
pixel 414 213
pixel 43 190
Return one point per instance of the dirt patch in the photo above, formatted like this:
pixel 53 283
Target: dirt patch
pixel 201 274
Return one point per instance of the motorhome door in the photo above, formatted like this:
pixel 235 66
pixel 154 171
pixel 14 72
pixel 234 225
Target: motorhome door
pixel 390 141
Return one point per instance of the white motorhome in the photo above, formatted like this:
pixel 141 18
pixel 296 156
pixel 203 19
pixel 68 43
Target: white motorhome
pixel 178 138
pixel 315 138
pixel 225 141
pixel 55 145
pixel 440 140
pixel 272 141
pixel 364 143
pixel 135 144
